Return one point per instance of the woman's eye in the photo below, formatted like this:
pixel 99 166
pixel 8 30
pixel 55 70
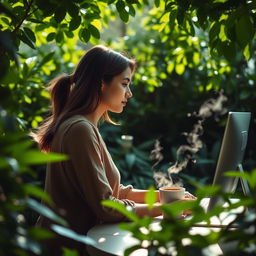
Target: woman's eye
pixel 124 84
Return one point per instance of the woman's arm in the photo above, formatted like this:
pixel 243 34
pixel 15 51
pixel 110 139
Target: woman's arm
pixel 142 210
pixel 138 195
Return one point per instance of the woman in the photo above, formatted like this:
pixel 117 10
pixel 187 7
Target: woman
pixel 100 83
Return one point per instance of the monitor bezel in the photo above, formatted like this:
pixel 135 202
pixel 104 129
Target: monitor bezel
pixel 229 160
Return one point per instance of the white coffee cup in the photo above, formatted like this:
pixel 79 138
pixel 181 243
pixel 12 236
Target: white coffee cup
pixel 170 194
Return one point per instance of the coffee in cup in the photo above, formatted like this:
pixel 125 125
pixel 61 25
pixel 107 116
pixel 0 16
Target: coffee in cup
pixel 170 194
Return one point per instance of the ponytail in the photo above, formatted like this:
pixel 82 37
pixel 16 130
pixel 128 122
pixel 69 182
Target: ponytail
pixel 59 89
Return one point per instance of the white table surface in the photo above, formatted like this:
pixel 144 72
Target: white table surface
pixel 111 240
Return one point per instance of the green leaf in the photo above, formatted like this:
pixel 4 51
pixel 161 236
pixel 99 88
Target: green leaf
pixel 91 16
pixel 202 17
pixel 45 211
pixel 30 34
pixel 75 23
pixel 172 19
pixel 25 70
pixel 214 31
pixel 60 14
pixel 8 11
pixel 253 179
pixel 206 191
pixel 157 3
pixel 180 68
pixel 73 10
pixel 230 28
pixel 238 174
pixel 84 35
pixel 120 5
pixel 59 37
pixel 40 233
pixel 132 2
pixel 37 192
pixel 25 39
pixel 229 50
pixel 66 232
pixel 189 27
pixel 132 11
pixel 249 177
pixel 19 10
pixel 180 16
pixel 51 36
pixel 150 197
pixel 124 15
pixel 176 208
pixel 248 51
pixel 219 47
pixel 94 31
pixel 5 20
pixel 46 58
pixel 230 33
pixel 244 30
pixel 36 157
pixel 120 208
pixel 35 21
pixel 69 252
pixel 69 34
pixel 129 250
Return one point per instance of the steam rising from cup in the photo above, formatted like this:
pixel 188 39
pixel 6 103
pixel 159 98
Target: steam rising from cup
pixel 194 143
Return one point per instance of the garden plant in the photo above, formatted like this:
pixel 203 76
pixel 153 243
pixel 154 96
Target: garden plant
pixel 187 52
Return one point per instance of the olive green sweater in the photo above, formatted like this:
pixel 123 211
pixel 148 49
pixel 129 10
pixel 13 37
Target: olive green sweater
pixel 78 186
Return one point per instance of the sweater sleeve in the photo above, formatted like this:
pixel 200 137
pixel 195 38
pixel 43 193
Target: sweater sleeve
pixel 82 145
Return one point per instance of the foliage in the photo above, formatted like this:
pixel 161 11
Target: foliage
pixel 17 194
pixel 188 50
pixel 175 76
pixel 231 23
pixel 172 60
pixel 173 234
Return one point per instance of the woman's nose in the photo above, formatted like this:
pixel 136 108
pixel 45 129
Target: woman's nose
pixel 128 92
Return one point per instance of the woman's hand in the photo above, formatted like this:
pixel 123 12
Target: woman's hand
pixel 188 197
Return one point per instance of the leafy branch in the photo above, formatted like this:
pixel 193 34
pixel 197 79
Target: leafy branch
pixel 26 15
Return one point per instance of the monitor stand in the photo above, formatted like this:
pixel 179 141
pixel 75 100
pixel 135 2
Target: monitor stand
pixel 214 200
pixel 230 247
pixel 244 183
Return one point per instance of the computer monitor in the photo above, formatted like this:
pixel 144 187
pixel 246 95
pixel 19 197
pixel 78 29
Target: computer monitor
pixel 231 154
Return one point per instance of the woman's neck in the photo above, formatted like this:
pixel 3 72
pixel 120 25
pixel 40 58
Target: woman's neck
pixel 95 116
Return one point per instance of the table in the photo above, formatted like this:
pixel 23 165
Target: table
pixel 111 240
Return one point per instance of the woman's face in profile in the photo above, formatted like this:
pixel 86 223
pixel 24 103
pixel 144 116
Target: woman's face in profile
pixel 115 94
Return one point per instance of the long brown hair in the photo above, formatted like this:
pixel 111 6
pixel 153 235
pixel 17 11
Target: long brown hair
pixel 80 92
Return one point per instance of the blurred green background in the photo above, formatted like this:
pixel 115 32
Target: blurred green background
pixel 187 52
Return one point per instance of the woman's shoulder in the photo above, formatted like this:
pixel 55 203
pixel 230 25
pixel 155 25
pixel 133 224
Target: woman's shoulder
pixel 76 132
pixel 78 123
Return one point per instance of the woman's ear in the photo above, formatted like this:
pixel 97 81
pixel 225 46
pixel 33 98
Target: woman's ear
pixel 103 85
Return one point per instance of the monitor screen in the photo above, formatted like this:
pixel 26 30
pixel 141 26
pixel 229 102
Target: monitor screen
pixel 231 153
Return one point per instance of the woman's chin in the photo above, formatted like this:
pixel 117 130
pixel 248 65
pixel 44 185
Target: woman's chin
pixel 117 111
